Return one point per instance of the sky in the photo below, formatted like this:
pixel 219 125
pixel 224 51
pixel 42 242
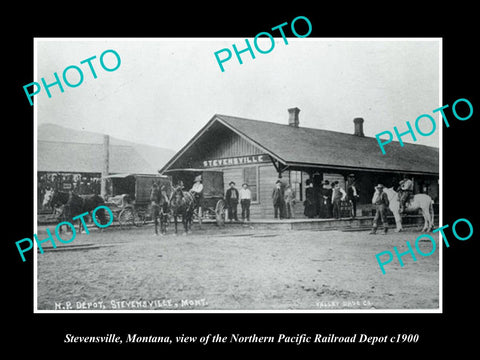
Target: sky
pixel 167 89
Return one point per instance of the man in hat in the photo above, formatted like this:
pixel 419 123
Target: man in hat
pixel 231 199
pixel 245 196
pixel 380 200
pixel 352 194
pixel 197 192
pixel 278 200
pixel 405 191
pixel 197 188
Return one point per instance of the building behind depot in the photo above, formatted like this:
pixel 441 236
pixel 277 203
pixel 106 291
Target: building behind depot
pixel 69 159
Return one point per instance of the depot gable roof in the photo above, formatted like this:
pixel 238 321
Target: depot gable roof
pixel 300 146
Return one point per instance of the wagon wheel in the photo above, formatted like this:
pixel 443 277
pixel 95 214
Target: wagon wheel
pixel 127 216
pixel 220 212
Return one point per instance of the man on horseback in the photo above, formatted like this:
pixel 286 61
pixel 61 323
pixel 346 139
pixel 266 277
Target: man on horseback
pixel 197 192
pixel 405 191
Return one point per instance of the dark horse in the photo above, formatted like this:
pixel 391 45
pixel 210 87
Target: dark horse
pixel 70 205
pixel 159 208
pixel 182 203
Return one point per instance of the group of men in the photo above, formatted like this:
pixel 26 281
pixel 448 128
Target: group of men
pixel 326 201
pixel 283 197
pixel 233 197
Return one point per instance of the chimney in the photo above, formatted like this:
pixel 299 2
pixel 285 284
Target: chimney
pixel 293 117
pixel 358 127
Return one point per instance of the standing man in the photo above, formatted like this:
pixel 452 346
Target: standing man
pixel 406 190
pixel 245 199
pixel 231 198
pixel 380 200
pixel 338 195
pixel 353 195
pixel 278 200
pixel 290 201
pixel 283 186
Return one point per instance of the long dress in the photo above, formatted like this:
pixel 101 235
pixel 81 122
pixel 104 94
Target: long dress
pixel 310 203
pixel 323 203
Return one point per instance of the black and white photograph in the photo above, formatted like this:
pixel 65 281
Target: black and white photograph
pixel 262 187
pixel 212 179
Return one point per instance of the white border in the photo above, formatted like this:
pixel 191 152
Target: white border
pixel 319 311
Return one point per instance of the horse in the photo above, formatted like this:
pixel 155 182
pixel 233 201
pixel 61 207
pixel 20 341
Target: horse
pixel 419 201
pixel 47 197
pixel 159 209
pixel 67 206
pixel 182 203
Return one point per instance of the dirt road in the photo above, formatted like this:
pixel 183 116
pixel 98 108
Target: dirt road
pixel 242 269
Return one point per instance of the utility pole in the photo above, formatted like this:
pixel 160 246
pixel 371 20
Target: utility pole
pixel 105 169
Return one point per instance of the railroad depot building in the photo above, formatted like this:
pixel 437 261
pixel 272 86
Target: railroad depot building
pixel 259 153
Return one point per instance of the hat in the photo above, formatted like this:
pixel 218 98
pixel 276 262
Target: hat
pixel 198 178
pixel 244 184
pixel 231 182
pixel 278 181
pixel 351 175
pixel 379 186
pixel 325 182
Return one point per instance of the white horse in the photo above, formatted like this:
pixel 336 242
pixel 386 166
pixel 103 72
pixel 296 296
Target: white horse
pixel 419 201
pixel 47 197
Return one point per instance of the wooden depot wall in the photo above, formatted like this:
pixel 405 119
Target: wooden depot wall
pixel 266 178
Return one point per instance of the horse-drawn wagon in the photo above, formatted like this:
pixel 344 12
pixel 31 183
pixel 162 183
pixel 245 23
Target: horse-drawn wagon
pixel 128 196
pixel 211 204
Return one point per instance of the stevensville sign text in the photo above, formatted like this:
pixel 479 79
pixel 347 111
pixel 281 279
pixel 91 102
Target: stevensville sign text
pixel 232 161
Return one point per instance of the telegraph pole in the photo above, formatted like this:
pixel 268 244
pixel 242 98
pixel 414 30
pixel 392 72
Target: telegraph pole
pixel 105 169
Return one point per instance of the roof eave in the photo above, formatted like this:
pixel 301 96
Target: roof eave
pixel 353 168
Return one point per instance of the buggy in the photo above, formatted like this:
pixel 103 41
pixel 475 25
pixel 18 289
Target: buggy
pixel 128 196
pixel 212 206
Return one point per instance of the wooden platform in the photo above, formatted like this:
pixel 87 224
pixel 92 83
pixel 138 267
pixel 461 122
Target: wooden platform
pixel 361 223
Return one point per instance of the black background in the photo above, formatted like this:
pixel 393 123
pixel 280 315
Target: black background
pixel 452 329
